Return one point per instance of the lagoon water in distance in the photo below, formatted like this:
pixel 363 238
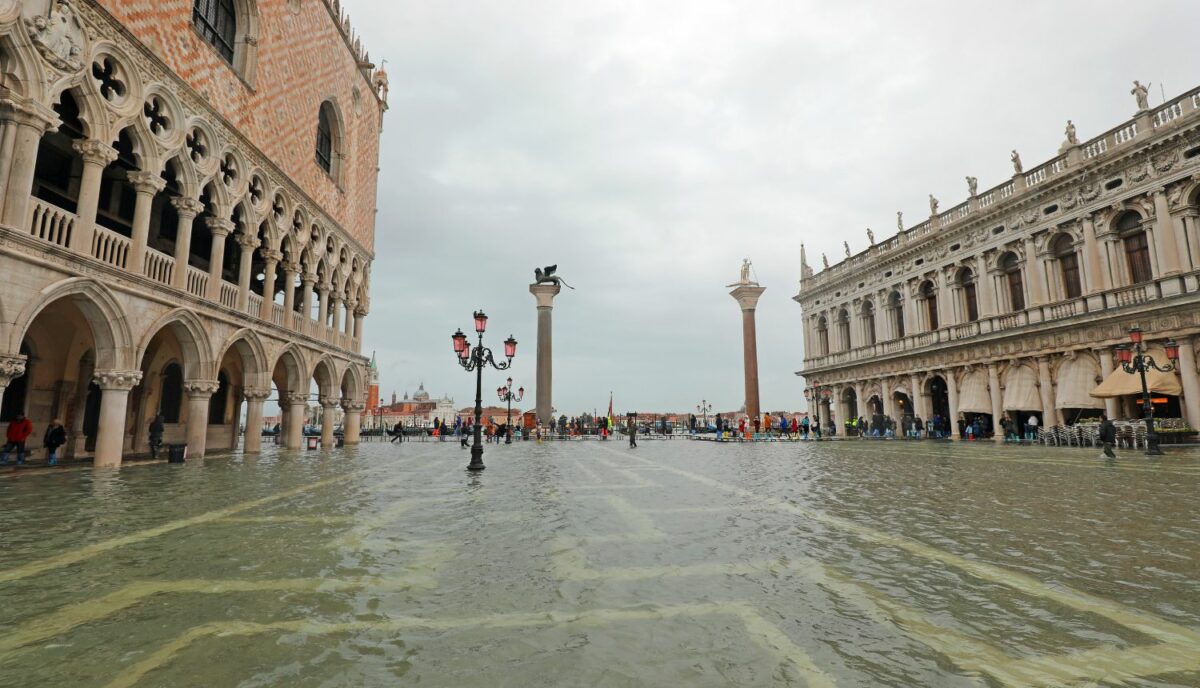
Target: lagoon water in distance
pixel 679 563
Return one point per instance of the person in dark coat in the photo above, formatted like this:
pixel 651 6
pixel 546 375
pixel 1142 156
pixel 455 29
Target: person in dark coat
pixel 1108 437
pixel 156 434
pixel 398 433
pixel 54 438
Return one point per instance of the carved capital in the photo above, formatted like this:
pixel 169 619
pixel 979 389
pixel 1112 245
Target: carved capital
pixel 296 399
pixel 309 279
pixel 351 406
pixel 146 182
pixel 187 208
pixel 271 255
pixel 256 394
pixel 248 242
pixel 11 367
pixel 200 389
pixel 94 151
pixel 117 379
pixel 219 226
pixel 329 403
pixel 291 267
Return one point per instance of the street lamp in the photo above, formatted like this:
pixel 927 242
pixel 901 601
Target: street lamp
pixel 704 408
pixel 506 394
pixel 475 358
pixel 1135 359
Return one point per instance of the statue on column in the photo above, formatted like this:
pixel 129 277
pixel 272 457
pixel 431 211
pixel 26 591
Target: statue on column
pixel 1142 94
pixel 1018 168
pixel 745 276
pixel 972 185
pixel 546 276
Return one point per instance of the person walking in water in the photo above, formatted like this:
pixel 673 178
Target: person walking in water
pixel 156 434
pixel 1108 437
pixel 632 433
pixel 54 438
pixel 19 430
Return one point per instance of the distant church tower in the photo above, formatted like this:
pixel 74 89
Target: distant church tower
pixel 372 385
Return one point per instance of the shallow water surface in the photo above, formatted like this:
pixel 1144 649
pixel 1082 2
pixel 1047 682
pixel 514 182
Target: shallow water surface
pixel 678 563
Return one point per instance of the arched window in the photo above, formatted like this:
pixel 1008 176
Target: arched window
pixel 216 20
pixel 171 396
pixel 929 296
pixel 896 312
pixel 822 336
pixel 329 141
pixel 970 301
pixel 1011 268
pixel 1137 247
pixel 844 329
pixel 1068 265
pixel 868 320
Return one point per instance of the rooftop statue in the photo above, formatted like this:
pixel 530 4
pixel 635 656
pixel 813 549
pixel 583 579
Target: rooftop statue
pixel 846 245
pixel 1071 137
pixel 1142 94
pixel 546 276
pixel 900 220
pixel 870 236
pixel 1016 161
pixel 972 185
pixel 933 205
pixel 825 261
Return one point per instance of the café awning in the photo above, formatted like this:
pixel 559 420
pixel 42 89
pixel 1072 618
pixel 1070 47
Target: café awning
pixel 1021 390
pixel 1120 383
pixel 973 394
pixel 1076 379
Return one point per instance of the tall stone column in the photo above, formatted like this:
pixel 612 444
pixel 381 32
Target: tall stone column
pixel 747 296
pixel 220 228
pixel 1191 383
pixel 1035 277
pixel 146 185
pixel 268 303
pixel 324 291
pixel 254 418
pixel 352 424
pixel 997 401
pixel 328 420
pixel 23 125
pixel 1046 385
pixel 199 393
pixel 187 209
pixel 544 294
pixel 248 243
pixel 290 270
pixel 114 401
pixel 1166 246
pixel 986 295
pixel 96 156
pixel 889 404
pixel 1106 368
pixel 295 419
pixel 1097 275
pixel 952 398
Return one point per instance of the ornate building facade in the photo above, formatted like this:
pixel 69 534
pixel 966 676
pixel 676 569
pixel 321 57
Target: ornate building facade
pixel 187 204
pixel 1012 302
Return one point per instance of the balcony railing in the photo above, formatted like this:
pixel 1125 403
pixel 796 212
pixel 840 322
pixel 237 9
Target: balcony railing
pixel 229 294
pixel 197 282
pixel 51 223
pixel 110 247
pixel 255 305
pixel 158 266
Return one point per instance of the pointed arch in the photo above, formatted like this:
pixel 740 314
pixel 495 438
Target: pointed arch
pixel 20 66
pixel 292 364
pixel 254 355
pixel 325 373
pixel 193 339
pixel 104 314
pixel 352 383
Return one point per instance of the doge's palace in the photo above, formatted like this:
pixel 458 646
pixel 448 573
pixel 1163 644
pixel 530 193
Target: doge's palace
pixel 1011 303
pixel 187 215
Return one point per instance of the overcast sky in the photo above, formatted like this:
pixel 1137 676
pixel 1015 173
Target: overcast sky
pixel 646 148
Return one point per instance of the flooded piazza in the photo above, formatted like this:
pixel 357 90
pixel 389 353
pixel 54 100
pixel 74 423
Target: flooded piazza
pixel 678 563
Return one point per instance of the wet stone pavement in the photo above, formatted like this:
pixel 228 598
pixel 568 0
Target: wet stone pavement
pixel 590 564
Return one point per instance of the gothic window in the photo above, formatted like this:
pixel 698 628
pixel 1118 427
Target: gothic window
pixel 1137 247
pixel 216 20
pixel 1011 269
pixel 329 149
pixel 1068 263
pixel 869 322
pixel 897 313
pixel 929 296
pixel 844 330
pixel 966 280
pixel 822 336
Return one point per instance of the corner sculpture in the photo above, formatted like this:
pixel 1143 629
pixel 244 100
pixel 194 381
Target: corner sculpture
pixel 546 276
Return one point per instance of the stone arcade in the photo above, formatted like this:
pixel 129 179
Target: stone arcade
pixel 1011 302
pixel 183 227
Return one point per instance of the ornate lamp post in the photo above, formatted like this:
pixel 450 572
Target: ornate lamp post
pixel 1133 359
pixel 475 358
pixel 506 394
pixel 704 408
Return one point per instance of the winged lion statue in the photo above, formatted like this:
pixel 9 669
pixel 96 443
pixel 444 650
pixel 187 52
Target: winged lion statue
pixel 546 276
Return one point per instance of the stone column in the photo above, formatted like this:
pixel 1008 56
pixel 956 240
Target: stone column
pixel 1097 275
pixel 268 303
pixel 1166 244
pixel 987 289
pixel 220 228
pixel 328 420
pixel 1191 383
pixel 295 419
pixel 1046 385
pixel 352 422
pixel 245 264
pixel 1035 276
pixel 359 314
pixel 114 401
pixel 199 392
pixel 307 281
pixel 187 209
pixel 997 401
pixel 254 418
pixel 96 156
pixel 25 123
pixel 323 294
pixel 912 318
pixel 747 296
pixel 544 294
pixel 918 396
pixel 290 270
pixel 952 397
pixel 145 185
pixel 1106 369
pixel 889 404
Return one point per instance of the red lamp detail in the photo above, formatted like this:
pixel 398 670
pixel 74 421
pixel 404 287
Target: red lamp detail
pixel 465 353
pixel 1135 335
pixel 460 341
pixel 1124 354
pixel 480 322
pixel 1172 348
pixel 510 347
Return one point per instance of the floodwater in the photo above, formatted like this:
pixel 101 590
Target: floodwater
pixel 678 563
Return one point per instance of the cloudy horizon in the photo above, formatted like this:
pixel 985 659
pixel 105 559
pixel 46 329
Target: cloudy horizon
pixel 647 151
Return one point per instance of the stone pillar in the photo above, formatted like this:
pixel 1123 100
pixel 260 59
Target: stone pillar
pixel 747 296
pixel 359 314
pixel 328 420
pixel 1035 275
pixel 323 292
pixel 296 404
pixel 268 303
pixel 1166 244
pixel 1106 369
pixel 348 325
pixel 912 318
pixel 199 392
pixel 952 397
pixel 290 270
pixel 1046 385
pixel 220 228
pixel 352 422
pixel 114 401
pixel 307 281
pixel 254 419
pixel 997 401
pixel 245 264
pixel 1191 383
pixel 187 209
pixel 96 156
pixel 987 289
pixel 918 397
pixel 145 185
pixel 544 294
pixel 24 123
pixel 1097 274
pixel 889 404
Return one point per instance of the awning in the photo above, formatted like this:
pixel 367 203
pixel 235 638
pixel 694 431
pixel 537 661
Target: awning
pixel 1076 378
pixel 1120 383
pixel 973 394
pixel 1021 390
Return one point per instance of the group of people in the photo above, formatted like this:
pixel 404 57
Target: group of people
pixel 20 429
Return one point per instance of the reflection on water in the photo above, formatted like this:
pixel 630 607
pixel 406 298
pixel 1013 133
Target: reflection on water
pixel 587 564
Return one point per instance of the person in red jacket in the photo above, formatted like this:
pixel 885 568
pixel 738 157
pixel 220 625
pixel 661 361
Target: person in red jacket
pixel 19 430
